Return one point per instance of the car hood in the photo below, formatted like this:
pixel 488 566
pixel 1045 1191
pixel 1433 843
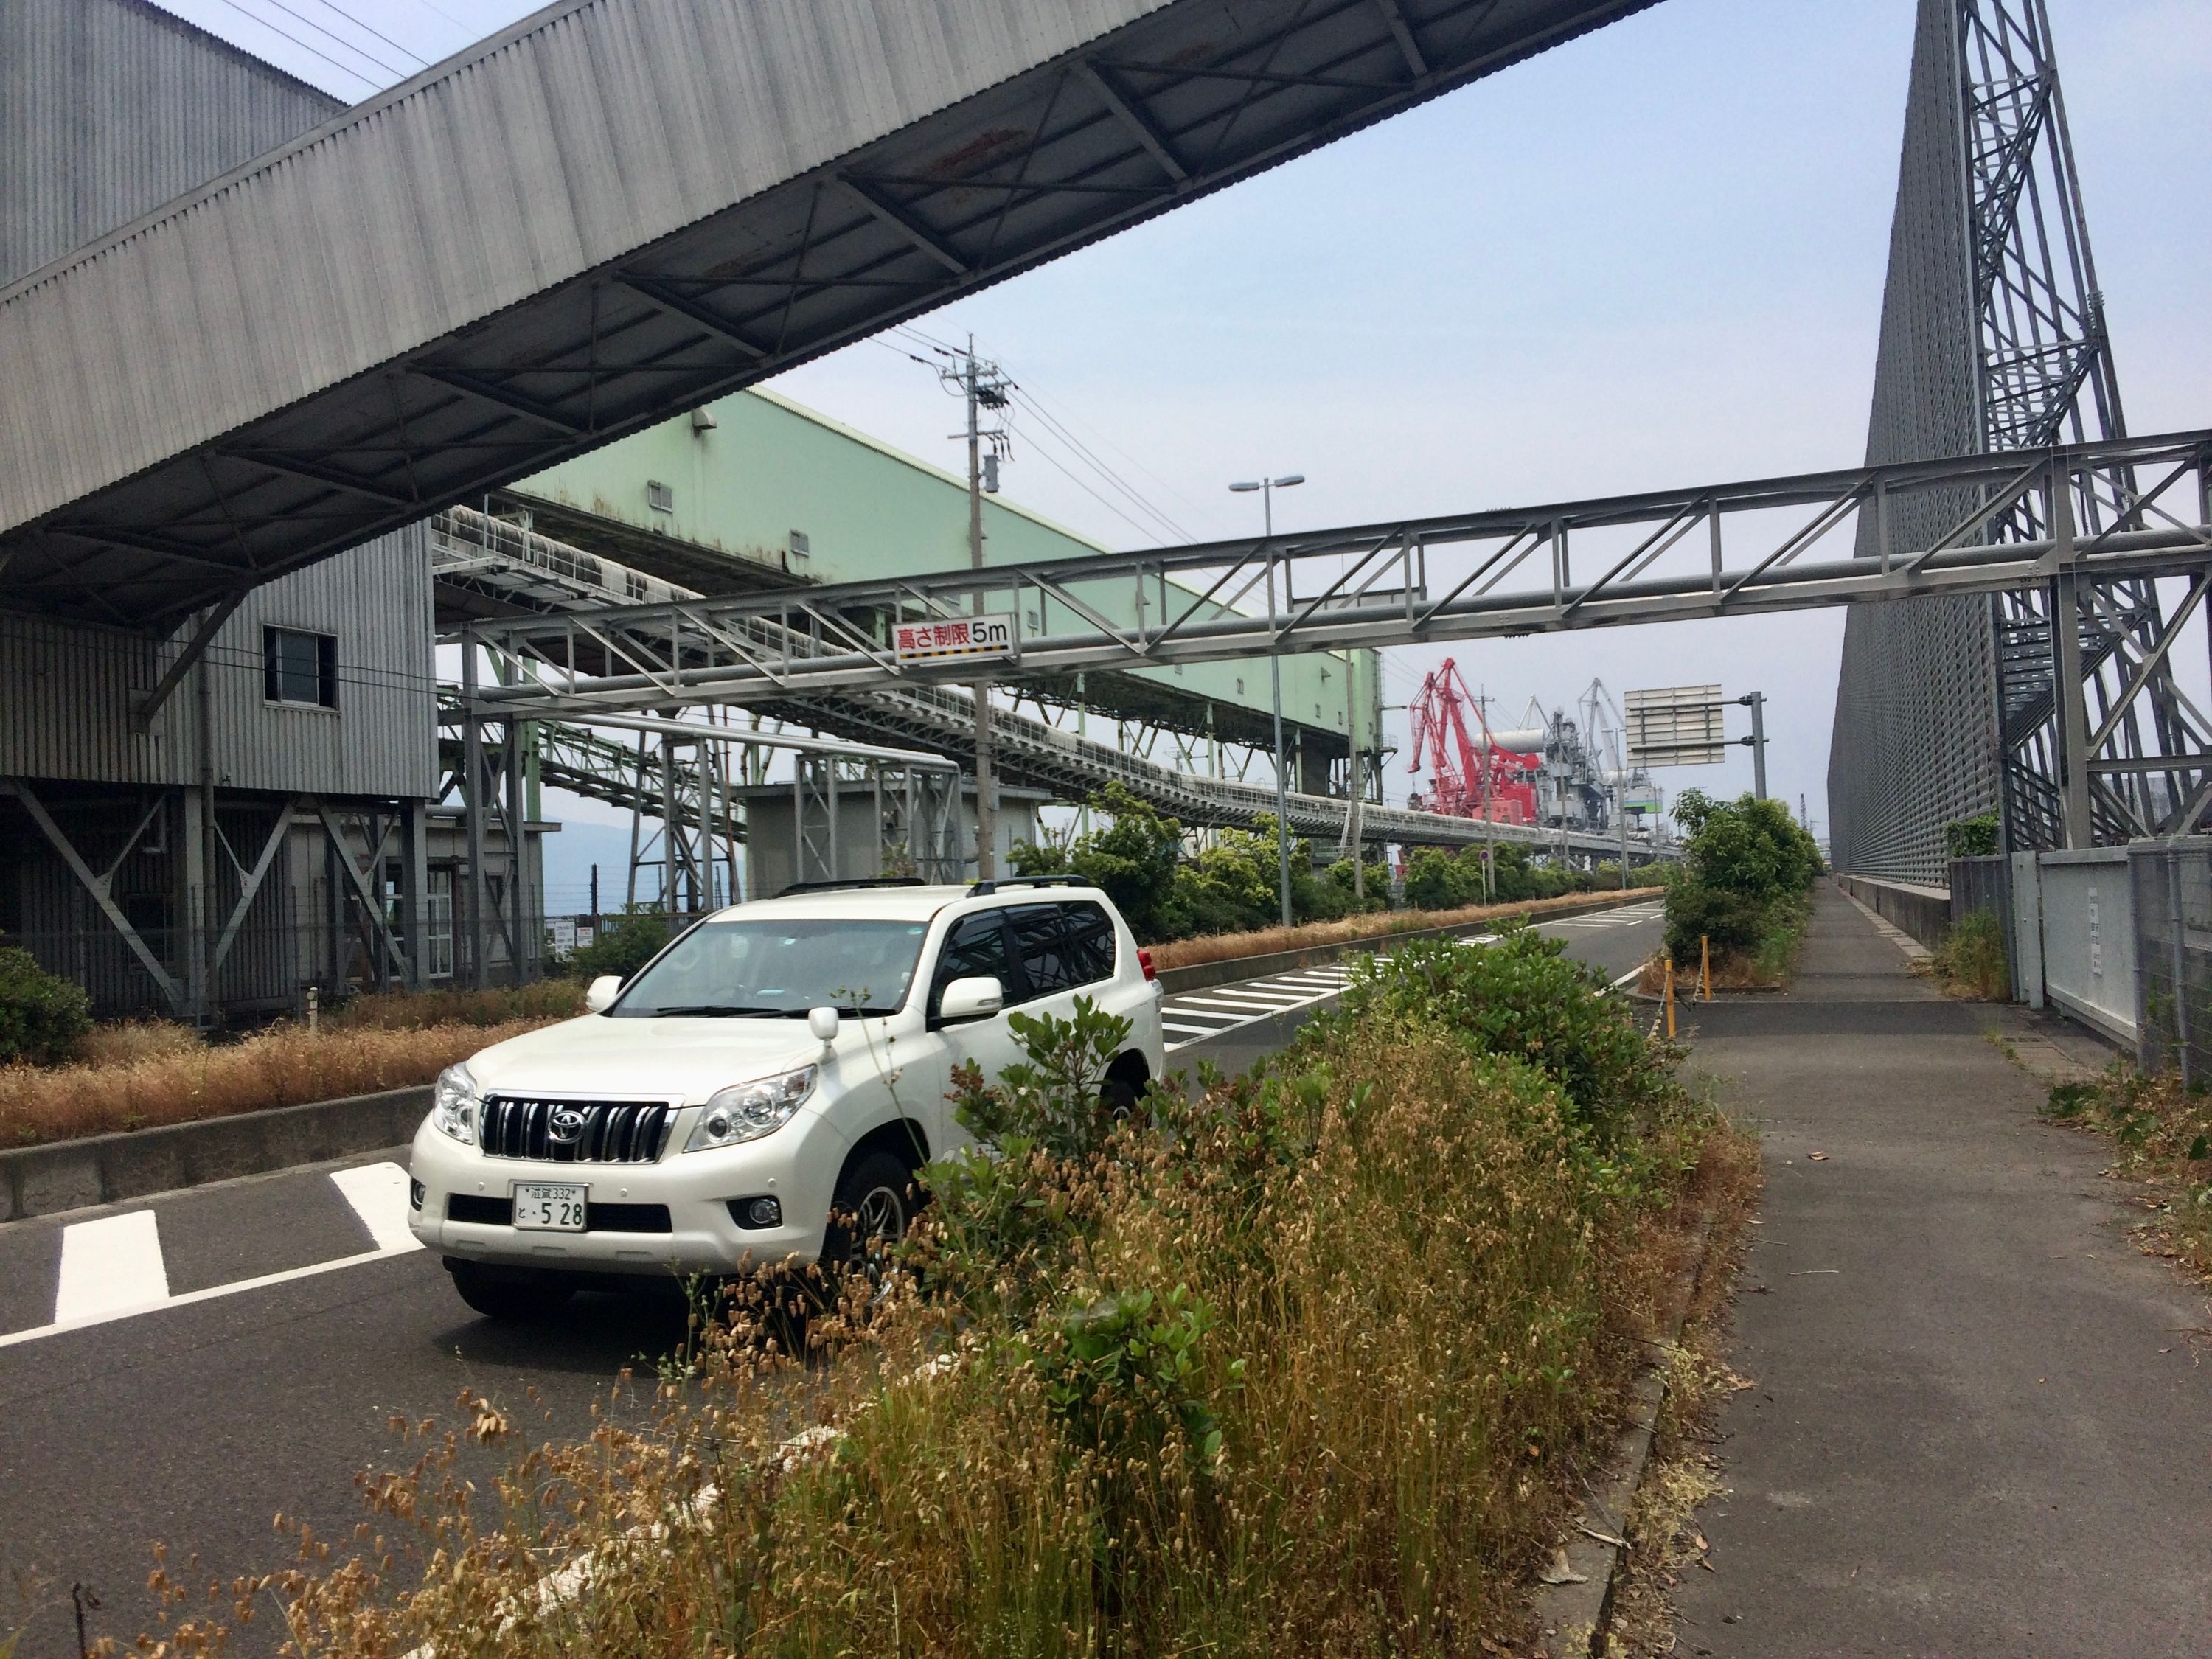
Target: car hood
pixel 645 1058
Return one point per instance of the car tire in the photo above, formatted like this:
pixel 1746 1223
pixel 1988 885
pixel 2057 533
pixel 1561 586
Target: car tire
pixel 875 1204
pixel 1123 1085
pixel 512 1296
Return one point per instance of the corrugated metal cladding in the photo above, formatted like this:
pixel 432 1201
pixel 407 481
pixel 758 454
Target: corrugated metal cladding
pixel 588 131
pixel 1915 745
pixel 108 108
pixel 67 692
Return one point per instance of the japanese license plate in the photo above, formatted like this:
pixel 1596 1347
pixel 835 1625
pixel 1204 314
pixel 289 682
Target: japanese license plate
pixel 543 1207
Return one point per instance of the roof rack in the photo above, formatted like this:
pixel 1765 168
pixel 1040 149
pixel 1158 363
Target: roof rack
pixel 856 882
pixel 983 888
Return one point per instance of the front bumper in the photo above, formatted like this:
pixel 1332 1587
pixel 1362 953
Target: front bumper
pixel 694 1188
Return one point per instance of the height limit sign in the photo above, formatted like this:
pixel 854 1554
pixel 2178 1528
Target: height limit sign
pixel 991 635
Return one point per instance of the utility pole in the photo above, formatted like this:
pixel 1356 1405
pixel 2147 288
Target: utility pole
pixel 1489 818
pixel 1268 486
pixel 1756 742
pixel 1358 775
pixel 984 387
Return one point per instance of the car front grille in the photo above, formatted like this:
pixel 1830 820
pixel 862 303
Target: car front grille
pixel 604 1131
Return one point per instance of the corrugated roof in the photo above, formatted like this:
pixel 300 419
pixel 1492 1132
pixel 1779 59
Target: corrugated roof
pixel 611 212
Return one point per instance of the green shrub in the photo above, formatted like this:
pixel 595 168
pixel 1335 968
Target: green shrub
pixel 43 1017
pixel 1523 998
pixel 622 944
pixel 1971 838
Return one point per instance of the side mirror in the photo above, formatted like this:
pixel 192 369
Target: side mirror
pixel 822 1022
pixel 600 994
pixel 971 999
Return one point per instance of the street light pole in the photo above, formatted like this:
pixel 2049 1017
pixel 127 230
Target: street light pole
pixel 1268 486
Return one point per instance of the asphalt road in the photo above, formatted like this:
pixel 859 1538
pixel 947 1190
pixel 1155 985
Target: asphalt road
pixel 285 1320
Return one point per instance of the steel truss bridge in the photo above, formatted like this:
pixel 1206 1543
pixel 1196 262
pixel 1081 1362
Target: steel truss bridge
pixel 1710 550
pixel 484 563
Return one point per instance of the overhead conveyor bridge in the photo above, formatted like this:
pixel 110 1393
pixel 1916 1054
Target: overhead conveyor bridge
pixel 566 586
pixel 614 211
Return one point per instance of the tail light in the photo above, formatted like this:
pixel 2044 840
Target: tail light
pixel 1144 962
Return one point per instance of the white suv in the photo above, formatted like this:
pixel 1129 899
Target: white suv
pixel 780 1063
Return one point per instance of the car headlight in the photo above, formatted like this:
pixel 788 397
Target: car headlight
pixel 746 1111
pixel 453 1103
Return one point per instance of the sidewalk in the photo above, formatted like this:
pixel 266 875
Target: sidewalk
pixel 1979 1424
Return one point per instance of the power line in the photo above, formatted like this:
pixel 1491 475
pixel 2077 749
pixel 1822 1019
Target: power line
pixel 1028 401
pixel 260 21
pixel 331 5
pixel 328 34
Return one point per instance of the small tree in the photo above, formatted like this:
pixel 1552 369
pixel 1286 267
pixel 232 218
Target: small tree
pixel 623 944
pixel 1133 858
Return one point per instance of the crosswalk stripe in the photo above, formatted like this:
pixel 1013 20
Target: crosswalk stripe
pixel 110 1265
pixel 378 1194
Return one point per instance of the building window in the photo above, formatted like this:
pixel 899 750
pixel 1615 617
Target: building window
pixel 438 929
pixel 659 497
pixel 300 667
pixel 802 549
pixel 1240 688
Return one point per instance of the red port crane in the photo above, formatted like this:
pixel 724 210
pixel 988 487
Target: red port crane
pixel 1468 780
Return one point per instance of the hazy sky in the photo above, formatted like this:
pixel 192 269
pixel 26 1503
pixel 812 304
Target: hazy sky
pixel 1651 258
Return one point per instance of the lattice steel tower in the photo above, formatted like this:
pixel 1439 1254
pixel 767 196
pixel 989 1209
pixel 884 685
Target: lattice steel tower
pixel 1993 338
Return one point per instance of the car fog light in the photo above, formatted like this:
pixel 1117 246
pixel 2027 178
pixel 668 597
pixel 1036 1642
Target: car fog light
pixel 414 1195
pixel 757 1212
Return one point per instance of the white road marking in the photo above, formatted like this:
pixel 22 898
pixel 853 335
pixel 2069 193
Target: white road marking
pixel 110 1267
pixel 210 1294
pixel 378 1192
pixel 1636 972
pixel 1242 999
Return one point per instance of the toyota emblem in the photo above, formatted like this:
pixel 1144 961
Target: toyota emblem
pixel 566 1124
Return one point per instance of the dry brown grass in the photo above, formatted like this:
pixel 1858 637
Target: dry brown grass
pixel 1686 1470
pixel 137 1074
pixel 1220 947
pixel 2160 1136
pixel 166 1075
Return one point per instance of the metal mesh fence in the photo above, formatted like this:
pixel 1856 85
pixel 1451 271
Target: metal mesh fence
pixel 2172 883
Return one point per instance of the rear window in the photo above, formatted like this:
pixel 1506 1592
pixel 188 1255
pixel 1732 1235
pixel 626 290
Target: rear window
pixel 1063 946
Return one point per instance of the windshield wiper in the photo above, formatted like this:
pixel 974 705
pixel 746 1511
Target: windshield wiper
pixel 724 1011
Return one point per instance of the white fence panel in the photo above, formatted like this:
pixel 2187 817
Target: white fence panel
pixel 2088 938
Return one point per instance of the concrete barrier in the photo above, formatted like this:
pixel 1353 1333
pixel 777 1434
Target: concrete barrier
pixel 1923 912
pixel 72 1175
pixel 1203 975
pixel 69 1174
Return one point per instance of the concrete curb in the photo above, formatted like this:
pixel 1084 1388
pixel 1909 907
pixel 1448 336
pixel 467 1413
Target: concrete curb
pixel 1203 975
pixel 1572 1617
pixel 71 1175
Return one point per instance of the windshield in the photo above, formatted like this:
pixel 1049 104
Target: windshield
pixel 762 969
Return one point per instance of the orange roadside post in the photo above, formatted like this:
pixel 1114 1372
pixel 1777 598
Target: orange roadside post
pixel 1670 999
pixel 1704 969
